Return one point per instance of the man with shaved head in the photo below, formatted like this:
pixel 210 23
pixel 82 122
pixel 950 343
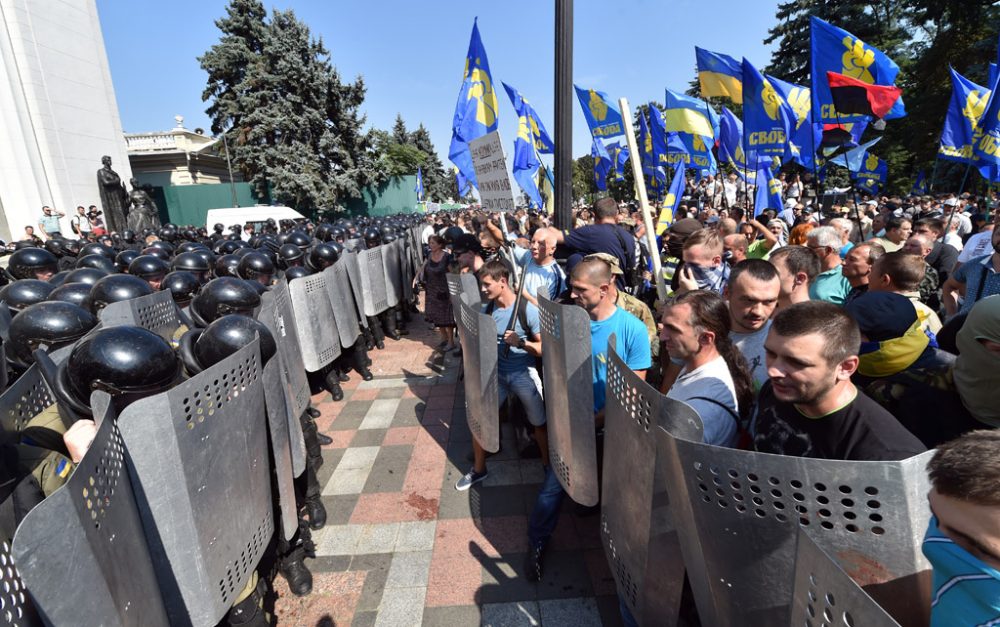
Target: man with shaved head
pixel 930 286
pixel 590 287
pixel 543 276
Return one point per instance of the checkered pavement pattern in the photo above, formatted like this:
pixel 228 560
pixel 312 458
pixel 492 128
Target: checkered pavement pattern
pixel 402 546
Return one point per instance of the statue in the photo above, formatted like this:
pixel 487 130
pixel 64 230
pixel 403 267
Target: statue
pixel 143 213
pixel 114 196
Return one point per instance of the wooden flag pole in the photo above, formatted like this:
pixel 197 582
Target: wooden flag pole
pixel 640 189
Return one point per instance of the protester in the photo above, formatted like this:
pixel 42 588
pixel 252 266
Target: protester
pixel 964 530
pixel 797 268
pixel 830 284
pixel 604 236
pixel 542 274
pixel 942 257
pixel 977 369
pixel 704 268
pixel 800 233
pixel 752 295
pixel 437 302
pixel 930 286
pixel 631 304
pixel 975 280
pixel 810 407
pixel 467 253
pixel 857 267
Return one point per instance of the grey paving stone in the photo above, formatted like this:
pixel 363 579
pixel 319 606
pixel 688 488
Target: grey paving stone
pixel 362 619
pixel 339 508
pixel 515 614
pixel 579 612
pixel 408 412
pixel 409 570
pixel 402 607
pixel 389 470
pixel 416 536
pixel 502 501
pixel 453 616
pixel 504 581
pixel 368 437
pixel 380 414
pixel 351 416
pixel 378 568
pixel 565 575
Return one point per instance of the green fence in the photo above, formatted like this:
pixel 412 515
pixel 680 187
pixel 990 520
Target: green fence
pixel 394 196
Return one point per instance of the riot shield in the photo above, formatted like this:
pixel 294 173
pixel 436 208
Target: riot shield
pixel 479 359
pixel 738 514
pixel 155 312
pixel 355 244
pixel 463 287
pixel 276 315
pixel 407 268
pixel 338 290
pixel 315 326
pixel 82 552
pixel 281 457
pixel 373 289
pixel 640 540
pixel 826 594
pixel 18 609
pixel 391 270
pixel 354 277
pixel 569 399
pixel 22 401
pixel 198 460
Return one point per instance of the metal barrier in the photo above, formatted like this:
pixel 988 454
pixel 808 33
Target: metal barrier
pixel 392 269
pixel 338 290
pixel 479 357
pixel 155 312
pixel 373 289
pixel 319 338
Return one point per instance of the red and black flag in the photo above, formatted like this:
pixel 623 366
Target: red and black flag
pixel 851 96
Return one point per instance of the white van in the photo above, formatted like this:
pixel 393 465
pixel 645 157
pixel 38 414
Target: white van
pixel 254 215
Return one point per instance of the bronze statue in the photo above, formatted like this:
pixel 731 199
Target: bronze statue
pixel 114 196
pixel 143 213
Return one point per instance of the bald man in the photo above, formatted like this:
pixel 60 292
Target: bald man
pixel 543 274
pixel 734 248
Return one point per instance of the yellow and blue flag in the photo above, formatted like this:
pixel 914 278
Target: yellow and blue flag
pixel 476 109
pixel 685 114
pixel 871 175
pixel 766 117
pixel 602 164
pixel 651 171
pixel 603 117
pixel 543 143
pixel 986 149
pixel 768 194
pixel 920 185
pixel 658 134
pixel 619 157
pixel 461 183
pixel 836 50
pixel 720 75
pixel 804 135
pixel 731 140
pixel 669 206
pixel 420 186
pixel 961 123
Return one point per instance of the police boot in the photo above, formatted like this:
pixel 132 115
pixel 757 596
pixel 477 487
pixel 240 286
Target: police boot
pixel 323 439
pixel 342 376
pixel 309 435
pixel 359 361
pixel 332 385
pixel 401 319
pixel 389 324
pixel 316 512
pixel 312 411
pixel 376 328
pixel 249 612
pixel 293 568
pixel 369 339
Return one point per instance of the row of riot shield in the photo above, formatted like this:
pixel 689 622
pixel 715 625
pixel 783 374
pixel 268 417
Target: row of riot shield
pixel 762 539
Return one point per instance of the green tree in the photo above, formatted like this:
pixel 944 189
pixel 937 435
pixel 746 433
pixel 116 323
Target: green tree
pixel 437 184
pixel 399 133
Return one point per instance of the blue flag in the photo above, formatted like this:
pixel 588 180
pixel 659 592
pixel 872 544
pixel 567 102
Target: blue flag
pixel 461 183
pixel 476 109
pixel 872 169
pixel 658 135
pixel 697 153
pixel 986 147
pixel 804 135
pixel 719 75
pixel 526 114
pixel 961 123
pixel 731 140
pixel 836 50
pixel 602 164
pixel 651 172
pixel 673 197
pixel 919 185
pixel 420 186
pixel 603 117
pixel 685 114
pixel 525 165
pixel 768 194
pixel 854 159
pixel 766 118
pixel 619 157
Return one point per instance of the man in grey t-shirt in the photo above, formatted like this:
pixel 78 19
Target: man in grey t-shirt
pixel 752 295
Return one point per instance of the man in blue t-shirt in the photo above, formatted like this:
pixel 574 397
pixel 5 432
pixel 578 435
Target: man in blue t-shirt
pixel 604 236
pixel 517 350
pixel 590 286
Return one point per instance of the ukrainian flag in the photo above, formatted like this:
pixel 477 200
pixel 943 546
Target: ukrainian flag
pixel 719 75
pixel 685 114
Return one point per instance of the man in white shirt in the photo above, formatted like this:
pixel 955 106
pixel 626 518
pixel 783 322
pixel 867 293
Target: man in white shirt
pixel 979 244
pixel 543 275
pixel 752 294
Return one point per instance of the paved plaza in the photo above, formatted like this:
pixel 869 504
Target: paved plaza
pixel 402 546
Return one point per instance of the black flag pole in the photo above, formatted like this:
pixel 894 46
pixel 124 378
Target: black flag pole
pixel 563 162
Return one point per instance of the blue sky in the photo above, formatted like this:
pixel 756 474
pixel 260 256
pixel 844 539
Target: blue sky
pixel 411 54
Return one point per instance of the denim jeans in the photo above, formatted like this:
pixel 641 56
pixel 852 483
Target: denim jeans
pixel 545 514
pixel 627 619
pixel 526 386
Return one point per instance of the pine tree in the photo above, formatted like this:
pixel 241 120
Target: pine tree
pixel 399 133
pixel 437 185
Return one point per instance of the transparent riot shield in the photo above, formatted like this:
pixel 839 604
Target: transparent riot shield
pixel 319 338
pixel 741 511
pixel 154 312
pixel 825 594
pixel 637 530
pixel 82 552
pixel 373 289
pixel 569 399
pixel 479 360
pixel 198 460
pixel 338 290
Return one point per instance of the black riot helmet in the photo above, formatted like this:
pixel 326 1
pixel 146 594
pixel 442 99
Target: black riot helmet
pixel 53 323
pixel 298 238
pixel 218 228
pixel 158 252
pixel 183 285
pixel 149 268
pixel 337 234
pixel 32 263
pixel 85 275
pixel 297 272
pixel 54 246
pixel 228 247
pixel 290 255
pixel 96 261
pixel 389 238
pixel 116 288
pixel 257 267
pixel 167 233
pixel 127 362
pixel 56 279
pixel 372 237
pixel 75 293
pixel 25 292
pixel 323 232
pixel 207 255
pixel 128 236
pixel 124 258
pixel 224 337
pixel 323 256
pixel 226 265
pixel 192 262
pixel 95 248
pixel 223 296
